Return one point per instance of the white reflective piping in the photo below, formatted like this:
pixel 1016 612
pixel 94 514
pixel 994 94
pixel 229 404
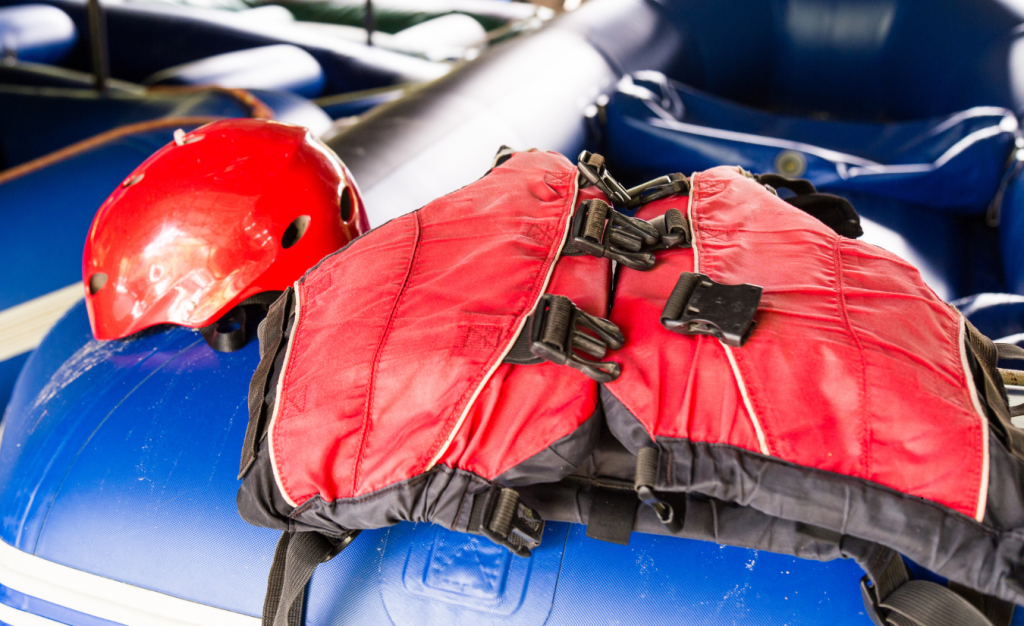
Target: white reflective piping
pixel 979 513
pixel 504 353
pixel 15 617
pixel 100 597
pixel 746 401
pixel 279 403
pixel 23 326
pixel 762 442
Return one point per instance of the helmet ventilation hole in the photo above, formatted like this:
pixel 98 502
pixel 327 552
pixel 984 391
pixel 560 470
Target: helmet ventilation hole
pixel 133 180
pixel 295 231
pixel 346 205
pixel 96 282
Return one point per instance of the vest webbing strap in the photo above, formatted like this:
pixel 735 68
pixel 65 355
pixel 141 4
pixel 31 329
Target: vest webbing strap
pixel 894 599
pixel 295 558
pixel 271 334
pixel 987 355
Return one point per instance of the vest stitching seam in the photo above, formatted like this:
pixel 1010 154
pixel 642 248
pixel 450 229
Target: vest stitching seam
pixel 837 255
pixel 380 348
pixel 441 447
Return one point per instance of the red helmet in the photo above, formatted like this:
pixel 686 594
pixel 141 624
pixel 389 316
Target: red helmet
pixel 230 210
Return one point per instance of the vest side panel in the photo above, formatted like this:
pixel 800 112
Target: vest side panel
pixel 319 409
pixel 523 409
pixel 854 366
pixel 484 256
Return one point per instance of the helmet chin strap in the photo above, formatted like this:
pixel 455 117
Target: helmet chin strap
pixel 231 332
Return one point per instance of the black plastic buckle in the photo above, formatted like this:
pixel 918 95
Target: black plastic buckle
pixel 601 231
pixel 661 187
pixel 591 167
pixel 556 334
pixel 673 230
pixel 508 522
pixel 700 306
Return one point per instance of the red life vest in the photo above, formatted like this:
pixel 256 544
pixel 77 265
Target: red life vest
pixel 816 398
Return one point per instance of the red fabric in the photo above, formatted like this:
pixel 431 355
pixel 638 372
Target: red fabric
pixel 661 383
pixel 522 410
pixel 854 367
pixel 396 334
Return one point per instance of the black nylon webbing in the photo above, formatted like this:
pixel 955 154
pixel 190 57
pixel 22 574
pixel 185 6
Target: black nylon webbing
pixel 271 333
pixel 986 355
pixel 275 581
pixel 924 603
pixel 612 512
pixel 295 559
pixel 896 600
pixel 520 354
pixel 998 611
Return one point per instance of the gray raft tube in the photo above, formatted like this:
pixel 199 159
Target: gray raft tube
pixel 530 92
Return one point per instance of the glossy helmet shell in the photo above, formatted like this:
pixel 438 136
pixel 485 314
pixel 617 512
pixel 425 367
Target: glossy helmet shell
pixel 227 211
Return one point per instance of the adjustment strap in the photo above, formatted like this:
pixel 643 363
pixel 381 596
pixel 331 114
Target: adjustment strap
pixel 700 306
pixel 594 172
pixel 295 558
pixel 985 355
pixel 1011 352
pixel 643 484
pixel 892 598
pixel 799 186
pixel 673 230
pixel 499 515
pixel 520 353
pixel 833 211
pixel 661 187
pixel 612 513
pixel 599 230
pixel 557 335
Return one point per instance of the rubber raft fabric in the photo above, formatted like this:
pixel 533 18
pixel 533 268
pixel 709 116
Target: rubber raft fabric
pixel 861 414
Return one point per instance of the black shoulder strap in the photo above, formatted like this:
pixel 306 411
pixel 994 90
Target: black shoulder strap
pixel 296 557
pixel 833 211
pixel 984 362
pixel 271 333
pixel 892 598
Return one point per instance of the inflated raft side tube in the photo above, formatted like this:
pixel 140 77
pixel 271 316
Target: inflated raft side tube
pixel 781 84
pixel 36 33
pixel 931 190
pixel 531 91
pixel 146 38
